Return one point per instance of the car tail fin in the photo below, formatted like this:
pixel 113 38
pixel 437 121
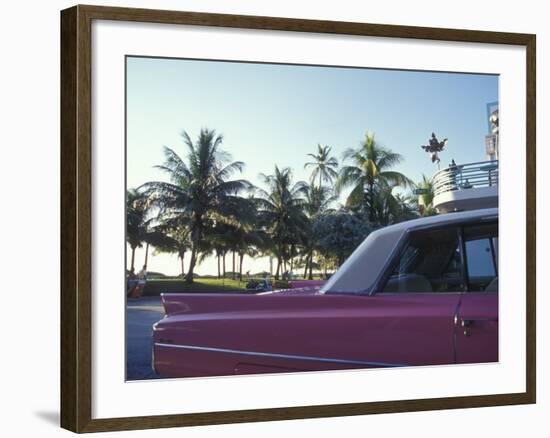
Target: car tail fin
pixel 195 303
pixel 172 305
pixel 175 303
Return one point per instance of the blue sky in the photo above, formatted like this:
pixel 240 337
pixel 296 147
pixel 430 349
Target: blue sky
pixel 276 114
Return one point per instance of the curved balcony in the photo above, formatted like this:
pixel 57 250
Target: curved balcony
pixel 466 187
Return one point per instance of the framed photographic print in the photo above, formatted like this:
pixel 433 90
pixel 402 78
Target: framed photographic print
pixel 271 218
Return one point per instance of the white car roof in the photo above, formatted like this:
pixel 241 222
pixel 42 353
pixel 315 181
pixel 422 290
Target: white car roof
pixel 363 267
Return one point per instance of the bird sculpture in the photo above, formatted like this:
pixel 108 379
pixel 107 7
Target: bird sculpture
pixel 434 147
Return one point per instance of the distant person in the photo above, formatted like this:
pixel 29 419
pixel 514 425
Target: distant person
pixel 141 282
pixel 142 276
pixel 268 285
pixel 453 170
pixel 131 282
pixel 264 284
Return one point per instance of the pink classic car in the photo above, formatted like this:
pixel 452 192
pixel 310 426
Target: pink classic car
pixel 422 292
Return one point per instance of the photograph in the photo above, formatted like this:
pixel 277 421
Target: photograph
pixel 289 218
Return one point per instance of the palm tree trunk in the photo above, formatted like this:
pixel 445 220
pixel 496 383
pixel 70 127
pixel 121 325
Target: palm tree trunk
pixel 233 271
pixel 196 237
pixel 306 265
pixel 218 265
pixel 278 267
pixel 133 258
pixel 189 277
pixel 241 257
pixel 370 197
pixel 311 265
pixel 182 268
pixel 146 253
pixel 224 251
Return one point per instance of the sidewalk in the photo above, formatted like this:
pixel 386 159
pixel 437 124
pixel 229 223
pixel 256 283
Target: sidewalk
pixel 141 314
pixel 145 303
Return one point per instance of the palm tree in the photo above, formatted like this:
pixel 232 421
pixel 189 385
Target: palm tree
pixel 135 222
pixel 389 207
pixel 200 188
pixel 219 239
pixel 139 225
pixel 426 196
pixel 177 241
pixel 324 166
pixel 406 208
pixel 281 211
pixel 318 200
pixel 248 241
pixel 369 172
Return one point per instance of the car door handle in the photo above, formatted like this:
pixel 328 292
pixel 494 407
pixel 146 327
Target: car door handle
pixel 467 322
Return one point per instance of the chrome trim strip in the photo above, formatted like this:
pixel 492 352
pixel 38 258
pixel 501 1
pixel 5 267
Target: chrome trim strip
pixel 280 356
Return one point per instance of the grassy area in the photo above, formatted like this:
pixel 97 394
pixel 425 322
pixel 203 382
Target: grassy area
pixel 156 286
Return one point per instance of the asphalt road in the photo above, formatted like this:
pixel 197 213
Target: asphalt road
pixel 141 314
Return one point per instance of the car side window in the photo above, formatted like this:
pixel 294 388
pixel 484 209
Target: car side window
pixel 430 262
pixel 481 244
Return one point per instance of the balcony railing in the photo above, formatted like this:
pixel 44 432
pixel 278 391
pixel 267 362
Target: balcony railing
pixel 466 176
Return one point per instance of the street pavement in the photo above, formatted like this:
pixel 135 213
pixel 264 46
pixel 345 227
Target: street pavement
pixel 141 314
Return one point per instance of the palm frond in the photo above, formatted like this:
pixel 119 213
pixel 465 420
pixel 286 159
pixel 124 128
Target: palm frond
pixel 396 178
pixel 349 175
pixel 228 170
pixel 389 159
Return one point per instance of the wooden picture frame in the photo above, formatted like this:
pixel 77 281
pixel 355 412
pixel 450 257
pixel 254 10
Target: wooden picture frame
pixel 76 217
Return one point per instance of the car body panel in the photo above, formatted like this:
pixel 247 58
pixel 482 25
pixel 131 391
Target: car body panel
pixel 477 337
pixel 257 334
